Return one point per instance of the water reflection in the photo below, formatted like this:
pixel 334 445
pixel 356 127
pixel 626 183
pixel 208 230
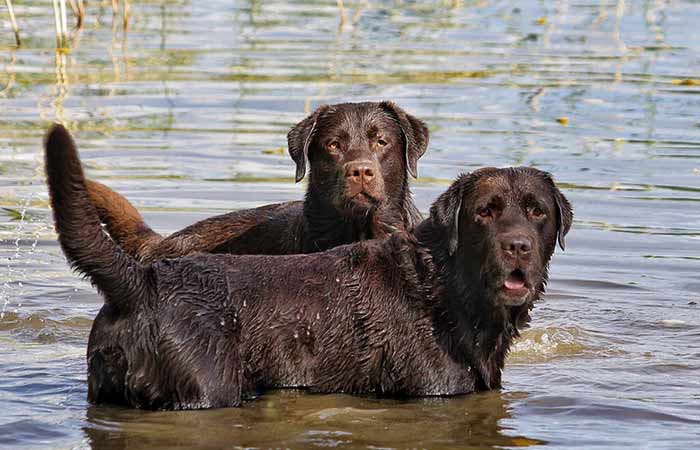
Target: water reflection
pixel 293 419
pixel 60 90
pixel 9 70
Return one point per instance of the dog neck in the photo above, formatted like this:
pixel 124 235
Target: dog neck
pixel 469 326
pixel 326 227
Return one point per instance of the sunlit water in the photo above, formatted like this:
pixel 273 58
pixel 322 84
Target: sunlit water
pixel 187 113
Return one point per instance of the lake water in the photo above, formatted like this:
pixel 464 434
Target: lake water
pixel 186 114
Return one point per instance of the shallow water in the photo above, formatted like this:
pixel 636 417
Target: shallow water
pixel 186 114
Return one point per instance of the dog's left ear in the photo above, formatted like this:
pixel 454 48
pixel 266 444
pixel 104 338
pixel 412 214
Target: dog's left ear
pixel 445 212
pixel 565 215
pixel 415 133
pixel 299 139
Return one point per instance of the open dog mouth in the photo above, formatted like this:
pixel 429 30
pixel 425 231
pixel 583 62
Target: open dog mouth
pixel 515 285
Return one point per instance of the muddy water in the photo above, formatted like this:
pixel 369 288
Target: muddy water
pixel 186 114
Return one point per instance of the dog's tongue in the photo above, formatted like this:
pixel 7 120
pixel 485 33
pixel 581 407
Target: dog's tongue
pixel 515 281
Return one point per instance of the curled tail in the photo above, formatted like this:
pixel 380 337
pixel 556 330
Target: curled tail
pixel 89 250
pixel 123 222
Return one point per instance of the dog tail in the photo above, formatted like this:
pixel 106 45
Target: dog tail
pixel 123 222
pixel 119 277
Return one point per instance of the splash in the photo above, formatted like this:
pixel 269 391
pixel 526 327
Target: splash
pixel 10 287
pixel 543 344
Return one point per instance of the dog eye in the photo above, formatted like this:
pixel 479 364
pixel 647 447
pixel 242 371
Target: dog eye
pixel 382 142
pixel 485 212
pixel 333 145
pixel 536 212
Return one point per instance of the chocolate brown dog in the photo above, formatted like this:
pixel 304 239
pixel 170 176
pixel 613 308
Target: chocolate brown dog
pixel 360 155
pixel 423 313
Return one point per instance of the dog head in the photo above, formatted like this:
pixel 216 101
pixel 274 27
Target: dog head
pixel 501 226
pixel 358 153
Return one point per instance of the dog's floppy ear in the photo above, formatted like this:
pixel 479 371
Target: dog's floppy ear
pixel 299 139
pixel 565 214
pixel 445 212
pixel 415 133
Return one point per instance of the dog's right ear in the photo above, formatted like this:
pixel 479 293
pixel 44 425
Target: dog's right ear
pixel 299 139
pixel 445 211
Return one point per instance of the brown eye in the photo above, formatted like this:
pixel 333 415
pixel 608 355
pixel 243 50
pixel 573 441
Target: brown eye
pixel 485 212
pixel 333 145
pixel 537 213
pixel 382 142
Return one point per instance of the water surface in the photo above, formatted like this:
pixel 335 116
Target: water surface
pixel 186 114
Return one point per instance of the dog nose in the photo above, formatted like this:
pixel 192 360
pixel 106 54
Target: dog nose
pixel 517 246
pixel 360 172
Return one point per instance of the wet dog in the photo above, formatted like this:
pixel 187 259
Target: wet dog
pixel 360 156
pixel 425 312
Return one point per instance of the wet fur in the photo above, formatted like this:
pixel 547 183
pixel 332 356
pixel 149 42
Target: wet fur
pixel 403 316
pixel 318 223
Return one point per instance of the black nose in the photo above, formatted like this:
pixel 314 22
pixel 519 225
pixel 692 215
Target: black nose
pixel 517 246
pixel 360 172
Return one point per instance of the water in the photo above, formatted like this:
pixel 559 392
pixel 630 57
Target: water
pixel 186 114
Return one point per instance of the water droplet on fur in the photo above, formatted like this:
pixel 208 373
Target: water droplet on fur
pixel 296 335
pixel 245 303
pixel 223 322
pixel 318 316
pixel 337 280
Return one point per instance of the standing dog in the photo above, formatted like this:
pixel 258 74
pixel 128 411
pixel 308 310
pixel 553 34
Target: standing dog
pixel 360 155
pixel 421 313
